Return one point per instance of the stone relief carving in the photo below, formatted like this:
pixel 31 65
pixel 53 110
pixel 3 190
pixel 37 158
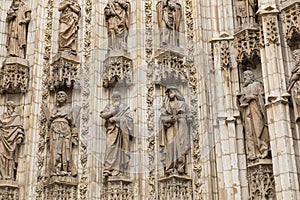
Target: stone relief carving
pixel 10 192
pixel 261 181
pixel 68 29
pixel 245 12
pixel 175 187
pixel 11 137
pixel 62 137
pixel 254 118
pixel 294 85
pixel 18 18
pixel 119 134
pixel 291 23
pixel 174 135
pixel 169 14
pixel 272 35
pixel 117 16
pixel 117 189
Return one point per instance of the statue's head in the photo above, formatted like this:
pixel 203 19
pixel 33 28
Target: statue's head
pixel 248 77
pixel 10 106
pixel 61 97
pixel 173 92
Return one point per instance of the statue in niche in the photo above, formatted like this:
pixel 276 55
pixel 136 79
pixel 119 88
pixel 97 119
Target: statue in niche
pixel 294 85
pixel 254 117
pixel 11 137
pixel 119 134
pixel 18 18
pixel 117 15
pixel 62 138
pixel 168 16
pixel 68 28
pixel 174 134
pixel 245 11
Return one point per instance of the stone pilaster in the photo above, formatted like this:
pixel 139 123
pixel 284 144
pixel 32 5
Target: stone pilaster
pixel 283 155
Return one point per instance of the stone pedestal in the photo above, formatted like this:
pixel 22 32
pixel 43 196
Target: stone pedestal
pixel 9 190
pixel 118 69
pixel 175 187
pixel 61 188
pixel 14 75
pixel 64 71
pixel 117 187
pixel 261 180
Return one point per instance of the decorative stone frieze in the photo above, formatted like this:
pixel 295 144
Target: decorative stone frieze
pixel 175 187
pixel 291 22
pixel 14 75
pixel 9 190
pixel 117 188
pixel 261 180
pixel 247 47
pixel 117 70
pixel 64 71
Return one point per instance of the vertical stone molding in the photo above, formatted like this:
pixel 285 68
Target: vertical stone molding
pixel 291 22
pixel 14 75
pixel 175 187
pixel 261 180
pixel 117 70
pixel 64 71
pixel 117 188
pixel 9 190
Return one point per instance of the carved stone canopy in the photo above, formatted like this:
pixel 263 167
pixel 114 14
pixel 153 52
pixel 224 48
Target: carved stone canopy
pixel 291 23
pixel 247 47
pixel 61 188
pixel 117 70
pixel 117 188
pixel 64 71
pixel 14 75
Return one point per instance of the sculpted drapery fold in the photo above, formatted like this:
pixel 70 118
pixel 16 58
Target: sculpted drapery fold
pixel 117 16
pixel 11 136
pixel 68 30
pixel 174 135
pixel 254 118
pixel 119 134
pixel 18 18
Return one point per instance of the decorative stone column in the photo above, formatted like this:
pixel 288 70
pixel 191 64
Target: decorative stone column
pixel 281 139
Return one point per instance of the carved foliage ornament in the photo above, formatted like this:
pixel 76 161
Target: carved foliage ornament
pixel 291 22
pixel 261 182
pixel 272 35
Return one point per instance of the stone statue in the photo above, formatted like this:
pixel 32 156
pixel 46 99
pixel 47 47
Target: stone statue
pixel 174 134
pixel 11 136
pixel 68 29
pixel 18 18
pixel 62 138
pixel 245 11
pixel 117 15
pixel 254 117
pixel 119 134
pixel 168 17
pixel 294 85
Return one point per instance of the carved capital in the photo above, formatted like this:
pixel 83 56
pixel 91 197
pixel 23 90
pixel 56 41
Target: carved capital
pixel 64 71
pixel 14 75
pixel 117 70
pixel 261 180
pixel 291 22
